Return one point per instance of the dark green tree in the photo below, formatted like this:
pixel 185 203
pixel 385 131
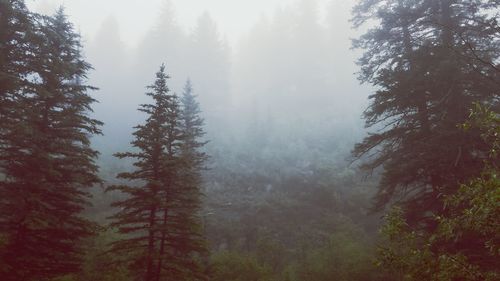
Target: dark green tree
pixel 418 61
pixel 47 160
pixel 159 217
pixel 140 215
pixel 182 247
pixel 465 244
pixel 192 128
pixel 188 243
pixel 16 31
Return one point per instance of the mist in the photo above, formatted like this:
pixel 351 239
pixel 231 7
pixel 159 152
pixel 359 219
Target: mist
pixel 243 83
pixel 290 76
pixel 261 140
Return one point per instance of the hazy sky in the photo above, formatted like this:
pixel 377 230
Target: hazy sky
pixel 135 17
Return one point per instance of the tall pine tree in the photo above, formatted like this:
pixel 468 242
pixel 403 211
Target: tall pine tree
pixel 188 243
pixel 47 158
pixel 417 59
pixel 158 218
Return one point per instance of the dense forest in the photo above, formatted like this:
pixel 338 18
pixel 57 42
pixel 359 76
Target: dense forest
pixel 351 141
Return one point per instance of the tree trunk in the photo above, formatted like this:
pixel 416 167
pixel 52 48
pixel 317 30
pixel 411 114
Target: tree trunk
pixel 151 242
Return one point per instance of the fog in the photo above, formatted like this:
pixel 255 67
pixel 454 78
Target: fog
pixel 277 86
pixel 262 70
pixel 278 89
pixel 234 16
pixel 231 140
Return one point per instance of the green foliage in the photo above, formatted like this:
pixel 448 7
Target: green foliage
pixel 46 161
pixel 347 254
pixel 238 267
pixel 404 257
pixel 465 244
pixel 419 59
pixel 271 252
pixel 99 262
pixel 17 28
pixel 346 257
pixel 158 218
pixel 487 121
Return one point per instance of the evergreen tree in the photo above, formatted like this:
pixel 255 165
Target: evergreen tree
pixel 192 128
pixel 188 242
pixel 159 218
pixel 181 245
pixel 47 160
pixel 415 57
pixel 140 214
pixel 16 30
pixel 465 244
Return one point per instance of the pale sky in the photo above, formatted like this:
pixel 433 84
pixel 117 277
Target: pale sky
pixel 136 17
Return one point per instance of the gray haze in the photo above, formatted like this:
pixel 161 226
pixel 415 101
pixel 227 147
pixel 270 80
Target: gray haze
pixel 278 79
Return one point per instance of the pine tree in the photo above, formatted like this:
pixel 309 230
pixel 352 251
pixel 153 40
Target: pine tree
pixel 181 244
pixel 47 160
pixel 140 215
pixel 188 243
pixel 159 218
pixel 16 30
pixel 415 58
pixel 192 128
pixel 465 244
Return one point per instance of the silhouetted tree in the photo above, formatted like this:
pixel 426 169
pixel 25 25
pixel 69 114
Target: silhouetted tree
pixel 182 246
pixel 192 128
pixel 159 218
pixel 140 214
pixel 425 88
pixel 16 31
pixel 465 244
pixel 188 242
pixel 47 161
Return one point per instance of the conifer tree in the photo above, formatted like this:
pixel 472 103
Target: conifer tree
pixel 16 30
pixel 425 86
pixel 159 217
pixel 47 160
pixel 140 217
pixel 187 241
pixel 192 127
pixel 465 244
